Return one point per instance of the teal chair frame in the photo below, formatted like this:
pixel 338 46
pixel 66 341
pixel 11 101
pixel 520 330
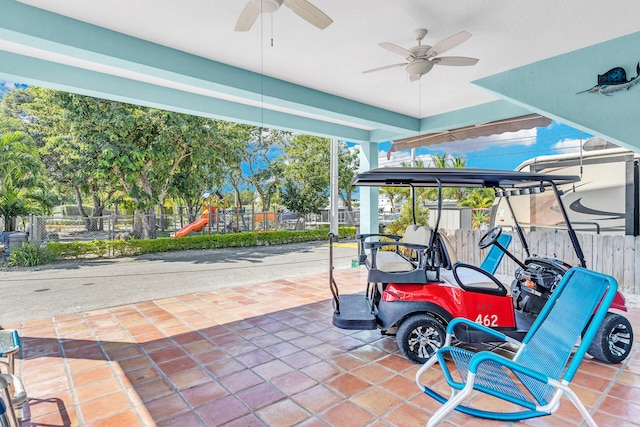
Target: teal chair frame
pixel 545 362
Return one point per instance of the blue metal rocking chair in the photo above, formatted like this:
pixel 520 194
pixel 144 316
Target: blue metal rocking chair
pixel 540 372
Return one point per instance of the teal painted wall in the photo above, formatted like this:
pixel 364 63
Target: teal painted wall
pixel 551 87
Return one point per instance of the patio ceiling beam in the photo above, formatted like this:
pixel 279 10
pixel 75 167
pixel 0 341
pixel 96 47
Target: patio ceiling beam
pixel 37 72
pixel 54 38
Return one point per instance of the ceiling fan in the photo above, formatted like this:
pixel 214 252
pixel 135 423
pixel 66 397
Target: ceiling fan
pixel 422 58
pixel 302 8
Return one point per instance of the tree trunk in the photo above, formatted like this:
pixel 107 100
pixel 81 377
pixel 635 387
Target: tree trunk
pixel 348 209
pixel 87 221
pixel 149 223
pixel 10 223
pixel 163 226
pixel 138 227
pixel 191 209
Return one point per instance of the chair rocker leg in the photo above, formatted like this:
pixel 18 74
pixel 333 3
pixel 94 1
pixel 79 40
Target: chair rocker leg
pixel 452 403
pixel 573 397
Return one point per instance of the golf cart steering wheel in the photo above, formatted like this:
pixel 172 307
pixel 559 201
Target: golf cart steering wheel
pixel 490 237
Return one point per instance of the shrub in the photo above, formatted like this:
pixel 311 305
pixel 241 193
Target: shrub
pixel 116 248
pixel 28 255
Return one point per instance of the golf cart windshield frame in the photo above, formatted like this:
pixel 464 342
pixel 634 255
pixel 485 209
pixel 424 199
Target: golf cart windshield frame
pixel 504 183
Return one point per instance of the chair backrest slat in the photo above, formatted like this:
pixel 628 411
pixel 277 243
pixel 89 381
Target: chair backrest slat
pixel 553 336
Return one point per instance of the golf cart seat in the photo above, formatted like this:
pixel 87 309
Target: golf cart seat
pixel 448 256
pixel 404 259
pixel 545 362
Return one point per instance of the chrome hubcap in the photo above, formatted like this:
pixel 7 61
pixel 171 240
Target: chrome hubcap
pixel 424 341
pixel 619 340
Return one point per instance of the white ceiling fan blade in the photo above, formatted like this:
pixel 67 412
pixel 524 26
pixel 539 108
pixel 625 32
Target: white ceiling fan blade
pixel 448 43
pixel 396 49
pixel 455 60
pixel 386 67
pixel 247 17
pixel 309 13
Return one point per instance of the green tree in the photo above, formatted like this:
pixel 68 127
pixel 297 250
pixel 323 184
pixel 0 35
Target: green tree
pixel 348 164
pixel 71 162
pixel 262 159
pixel 210 166
pixel 480 199
pixel 23 189
pixel 306 173
pixel 135 149
pixel 394 194
pixel 477 198
pixel 440 160
pixel 458 161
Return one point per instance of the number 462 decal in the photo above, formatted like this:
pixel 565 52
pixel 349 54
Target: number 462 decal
pixel 487 320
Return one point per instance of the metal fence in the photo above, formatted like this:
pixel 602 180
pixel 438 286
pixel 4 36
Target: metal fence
pixel 110 227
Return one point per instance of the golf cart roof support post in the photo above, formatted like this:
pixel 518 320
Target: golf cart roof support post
pixel 435 229
pixel 518 228
pixel 572 232
pixel 413 203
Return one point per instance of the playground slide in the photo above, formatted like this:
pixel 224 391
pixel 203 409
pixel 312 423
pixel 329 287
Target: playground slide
pixel 194 226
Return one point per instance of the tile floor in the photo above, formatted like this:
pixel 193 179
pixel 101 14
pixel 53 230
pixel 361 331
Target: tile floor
pixel 257 355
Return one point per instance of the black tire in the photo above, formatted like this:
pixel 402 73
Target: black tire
pixel 420 336
pixel 613 341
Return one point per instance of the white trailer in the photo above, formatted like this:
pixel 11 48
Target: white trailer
pixel 606 200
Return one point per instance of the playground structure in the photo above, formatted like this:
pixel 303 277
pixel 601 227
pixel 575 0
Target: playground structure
pixel 209 215
pixel 214 218
pixel 264 221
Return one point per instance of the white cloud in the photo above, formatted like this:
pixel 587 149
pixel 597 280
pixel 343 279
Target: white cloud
pixel 400 157
pixel 567 146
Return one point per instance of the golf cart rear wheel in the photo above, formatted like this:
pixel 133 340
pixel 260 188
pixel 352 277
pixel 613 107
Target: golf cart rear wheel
pixel 613 341
pixel 419 337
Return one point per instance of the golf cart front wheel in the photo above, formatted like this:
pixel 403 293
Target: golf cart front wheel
pixel 613 341
pixel 419 337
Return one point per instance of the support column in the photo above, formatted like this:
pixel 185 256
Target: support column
pixel 334 188
pixel 368 195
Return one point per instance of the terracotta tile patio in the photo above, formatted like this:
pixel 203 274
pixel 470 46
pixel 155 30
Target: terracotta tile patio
pixel 264 354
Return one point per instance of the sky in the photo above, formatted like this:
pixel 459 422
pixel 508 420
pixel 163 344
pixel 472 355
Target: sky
pixel 504 151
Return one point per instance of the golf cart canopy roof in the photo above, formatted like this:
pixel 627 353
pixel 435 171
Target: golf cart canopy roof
pixel 458 177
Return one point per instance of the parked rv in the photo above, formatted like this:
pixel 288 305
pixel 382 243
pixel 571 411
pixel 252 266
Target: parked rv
pixel 604 201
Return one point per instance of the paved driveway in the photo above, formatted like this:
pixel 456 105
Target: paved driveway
pixel 83 285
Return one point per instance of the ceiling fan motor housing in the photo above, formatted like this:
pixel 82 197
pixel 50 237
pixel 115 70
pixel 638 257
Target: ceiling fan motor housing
pixel 268 6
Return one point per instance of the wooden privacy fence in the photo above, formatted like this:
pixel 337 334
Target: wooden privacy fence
pixel 613 255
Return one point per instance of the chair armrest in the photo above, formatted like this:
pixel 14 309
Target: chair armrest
pixel 414 246
pixel 9 342
pixel 471 324
pixel 362 256
pixel 389 236
pixel 19 392
pixel 485 356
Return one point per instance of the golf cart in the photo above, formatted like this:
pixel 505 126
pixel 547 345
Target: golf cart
pixel 416 285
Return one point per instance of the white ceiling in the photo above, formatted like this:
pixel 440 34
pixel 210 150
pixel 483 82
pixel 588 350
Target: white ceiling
pixel 506 34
